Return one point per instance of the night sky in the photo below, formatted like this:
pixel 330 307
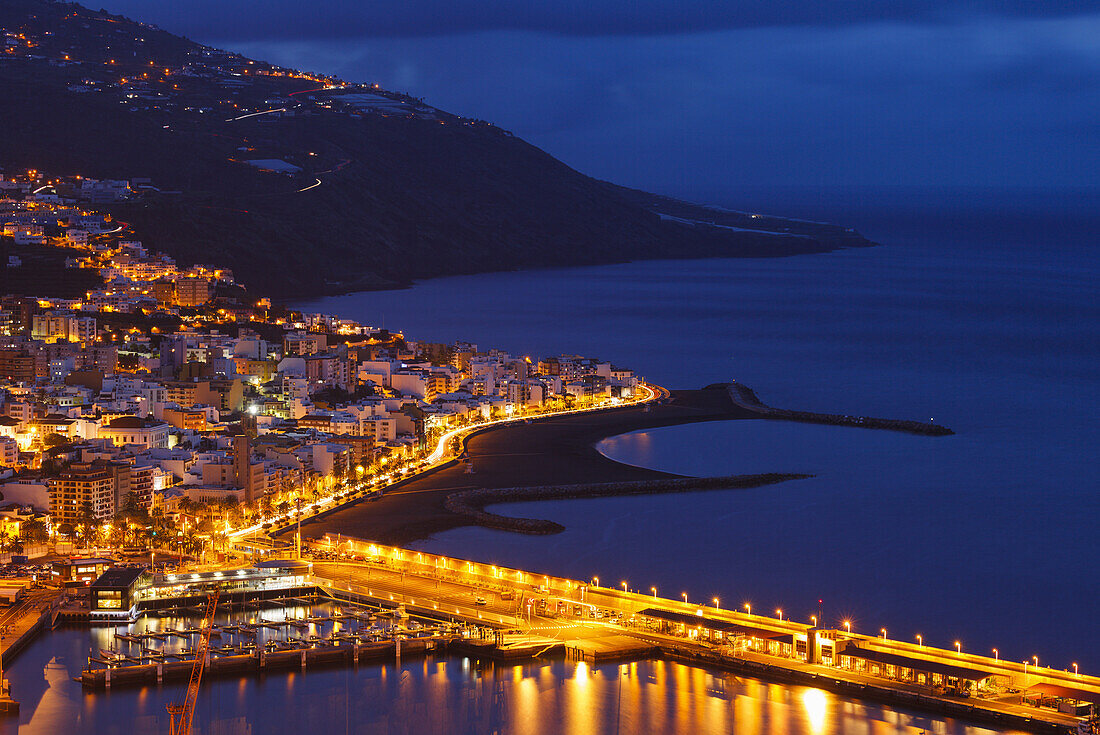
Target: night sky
pixel 705 96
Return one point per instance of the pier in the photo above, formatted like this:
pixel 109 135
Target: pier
pixel 350 633
pixel 599 624
pixel 360 601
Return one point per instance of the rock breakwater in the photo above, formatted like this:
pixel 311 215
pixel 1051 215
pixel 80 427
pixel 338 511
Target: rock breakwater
pixel 471 503
pixel 746 398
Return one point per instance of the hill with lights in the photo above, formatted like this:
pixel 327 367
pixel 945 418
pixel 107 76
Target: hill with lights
pixel 306 184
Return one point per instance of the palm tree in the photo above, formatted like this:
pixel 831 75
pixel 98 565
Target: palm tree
pixel 87 520
pixel 33 530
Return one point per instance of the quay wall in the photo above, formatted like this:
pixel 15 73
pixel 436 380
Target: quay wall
pixel 747 399
pixel 471 503
pixel 25 638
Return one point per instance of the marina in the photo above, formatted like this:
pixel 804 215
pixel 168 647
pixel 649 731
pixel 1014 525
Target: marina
pixel 382 605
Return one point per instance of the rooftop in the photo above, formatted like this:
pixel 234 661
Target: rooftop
pixel 118 577
pixel 134 422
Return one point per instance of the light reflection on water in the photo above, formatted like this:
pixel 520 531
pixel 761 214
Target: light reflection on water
pixel 445 694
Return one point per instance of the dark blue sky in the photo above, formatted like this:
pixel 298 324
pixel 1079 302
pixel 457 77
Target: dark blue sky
pixel 699 97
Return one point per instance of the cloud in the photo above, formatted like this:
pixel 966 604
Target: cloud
pixel 1010 101
pixel 291 19
pixel 724 94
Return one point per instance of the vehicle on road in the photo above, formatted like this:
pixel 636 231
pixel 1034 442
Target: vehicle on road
pixel 481 601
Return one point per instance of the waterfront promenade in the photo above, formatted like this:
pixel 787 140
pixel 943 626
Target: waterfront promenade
pixel 546 451
pixel 19 624
pixel 606 622
pixel 382 602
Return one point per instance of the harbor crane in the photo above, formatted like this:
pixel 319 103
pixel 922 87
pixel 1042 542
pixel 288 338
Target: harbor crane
pixel 180 715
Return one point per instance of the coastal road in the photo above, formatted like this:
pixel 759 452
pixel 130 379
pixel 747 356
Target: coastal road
pixel 437 460
pixel 552 451
pixel 459 592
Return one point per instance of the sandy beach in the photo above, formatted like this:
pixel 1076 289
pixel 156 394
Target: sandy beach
pixel 557 451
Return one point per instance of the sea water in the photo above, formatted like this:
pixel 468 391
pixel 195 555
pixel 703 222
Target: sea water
pixel 442 695
pixel 988 537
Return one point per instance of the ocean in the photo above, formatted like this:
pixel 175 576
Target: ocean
pixel 442 696
pixel 984 320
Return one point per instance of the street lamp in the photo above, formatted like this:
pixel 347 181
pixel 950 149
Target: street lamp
pixel 1075 672
pixel 814 619
pixel 920 641
pixel 654 591
pixel 848 625
pixel 748 607
pixel 715 603
pixel 996 655
pixel 595 581
pixel 623 583
pixel 1036 660
pixel 685 596
pixel 779 613
pixel 958 648
pixel 883 631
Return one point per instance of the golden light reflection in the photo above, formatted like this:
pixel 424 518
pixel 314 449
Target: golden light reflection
pixel 816 703
pixel 582 674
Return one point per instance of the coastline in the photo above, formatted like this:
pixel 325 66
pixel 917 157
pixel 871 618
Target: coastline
pixel 472 503
pixel 557 458
pixel 557 451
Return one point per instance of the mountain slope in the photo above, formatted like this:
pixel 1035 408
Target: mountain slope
pixel 406 191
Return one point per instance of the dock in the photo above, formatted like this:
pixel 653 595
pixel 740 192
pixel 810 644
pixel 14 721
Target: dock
pixel 234 662
pixel 389 602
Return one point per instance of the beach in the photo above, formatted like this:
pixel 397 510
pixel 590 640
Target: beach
pixel 554 451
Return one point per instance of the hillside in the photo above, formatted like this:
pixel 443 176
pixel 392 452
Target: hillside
pixel 405 190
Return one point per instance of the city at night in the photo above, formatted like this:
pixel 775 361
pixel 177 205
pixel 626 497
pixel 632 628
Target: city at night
pixel 525 368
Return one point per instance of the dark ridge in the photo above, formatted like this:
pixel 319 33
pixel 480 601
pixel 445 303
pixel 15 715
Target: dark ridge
pixel 403 196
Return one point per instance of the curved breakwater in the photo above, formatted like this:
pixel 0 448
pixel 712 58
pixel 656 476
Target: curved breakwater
pixel 747 399
pixel 471 503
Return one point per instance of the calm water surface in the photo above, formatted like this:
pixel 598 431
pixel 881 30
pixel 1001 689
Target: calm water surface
pixel 987 537
pixel 445 695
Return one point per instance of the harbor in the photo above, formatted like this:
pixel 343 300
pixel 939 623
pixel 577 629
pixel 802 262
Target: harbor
pixel 359 603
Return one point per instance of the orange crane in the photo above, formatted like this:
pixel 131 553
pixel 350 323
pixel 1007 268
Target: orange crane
pixel 180 715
